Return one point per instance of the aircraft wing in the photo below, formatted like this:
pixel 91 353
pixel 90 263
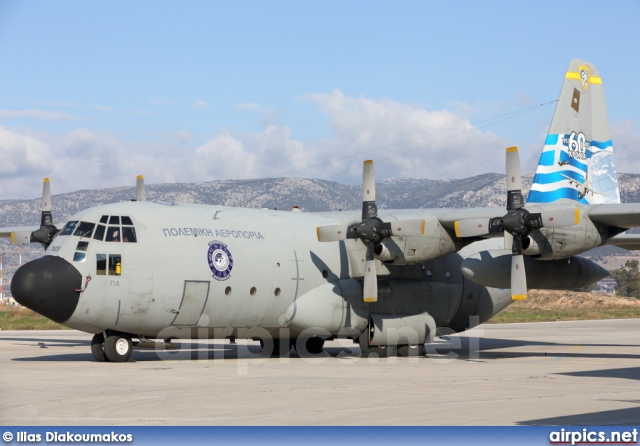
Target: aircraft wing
pixel 625 241
pixel 18 234
pixel 623 215
pixel 447 217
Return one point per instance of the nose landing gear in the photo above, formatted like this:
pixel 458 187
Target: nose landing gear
pixel 116 347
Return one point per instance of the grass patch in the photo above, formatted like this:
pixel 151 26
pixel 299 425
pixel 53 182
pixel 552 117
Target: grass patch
pixel 23 319
pixel 514 314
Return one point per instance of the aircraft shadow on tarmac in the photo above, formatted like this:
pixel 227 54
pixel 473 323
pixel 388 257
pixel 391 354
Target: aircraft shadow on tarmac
pixel 618 417
pixel 475 349
pixel 483 349
pixel 46 343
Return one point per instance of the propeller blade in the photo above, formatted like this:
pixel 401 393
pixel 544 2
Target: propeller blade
pixel 140 192
pixel 508 240
pixel 370 289
pixel 47 230
pixel 516 245
pixel 334 233
pixel 407 228
pixel 518 278
pixel 46 218
pixel 369 208
pixel 515 200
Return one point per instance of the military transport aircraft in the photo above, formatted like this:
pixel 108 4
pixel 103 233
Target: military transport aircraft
pixel 387 279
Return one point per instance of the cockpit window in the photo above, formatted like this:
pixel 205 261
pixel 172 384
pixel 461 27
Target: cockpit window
pixel 119 229
pixel 129 234
pixel 68 228
pixel 99 234
pixel 84 229
pixel 113 234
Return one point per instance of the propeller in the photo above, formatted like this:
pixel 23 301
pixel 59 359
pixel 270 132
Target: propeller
pixel 370 231
pixel 47 231
pixel 141 195
pixel 517 223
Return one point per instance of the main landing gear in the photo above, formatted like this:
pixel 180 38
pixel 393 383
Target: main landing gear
pixel 280 347
pixel 116 347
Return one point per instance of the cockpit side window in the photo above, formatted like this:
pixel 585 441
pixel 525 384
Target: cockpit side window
pixel 126 220
pixel 104 219
pixel 84 229
pixel 99 234
pixel 68 228
pixel 113 234
pixel 129 234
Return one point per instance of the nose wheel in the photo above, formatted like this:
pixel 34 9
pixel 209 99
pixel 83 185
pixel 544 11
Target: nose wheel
pixel 117 347
pixel 97 348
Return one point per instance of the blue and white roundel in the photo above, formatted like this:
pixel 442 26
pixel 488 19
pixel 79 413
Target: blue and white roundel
pixel 220 260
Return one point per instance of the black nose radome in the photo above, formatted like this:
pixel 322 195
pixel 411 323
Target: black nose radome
pixel 48 286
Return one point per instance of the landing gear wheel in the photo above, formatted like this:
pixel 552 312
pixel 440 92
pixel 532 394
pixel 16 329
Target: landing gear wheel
pixel 312 346
pixel 118 348
pixel 371 351
pixel 274 347
pixel 409 350
pixel 97 348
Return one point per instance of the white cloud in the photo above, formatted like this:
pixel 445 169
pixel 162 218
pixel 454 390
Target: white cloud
pixel 22 154
pixel 252 155
pixel 201 104
pixel 626 141
pixel 42 115
pixel 410 141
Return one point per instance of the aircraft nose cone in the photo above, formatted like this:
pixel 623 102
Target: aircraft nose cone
pixel 47 285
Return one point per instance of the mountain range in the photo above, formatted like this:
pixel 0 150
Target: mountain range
pixel 310 195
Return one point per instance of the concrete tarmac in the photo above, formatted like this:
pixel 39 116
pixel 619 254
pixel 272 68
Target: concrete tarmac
pixel 568 373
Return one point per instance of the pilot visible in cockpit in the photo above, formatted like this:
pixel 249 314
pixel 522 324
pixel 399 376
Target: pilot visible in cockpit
pixel 113 235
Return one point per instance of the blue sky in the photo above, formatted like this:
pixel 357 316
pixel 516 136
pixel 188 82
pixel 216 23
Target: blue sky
pixel 94 93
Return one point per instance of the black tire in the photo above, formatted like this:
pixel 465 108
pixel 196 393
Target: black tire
pixel 97 348
pixel 273 347
pixel 118 348
pixel 371 351
pixel 312 346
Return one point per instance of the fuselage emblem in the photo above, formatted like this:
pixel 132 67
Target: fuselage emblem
pixel 220 260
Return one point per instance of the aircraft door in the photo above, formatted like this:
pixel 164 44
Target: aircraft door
pixel 194 299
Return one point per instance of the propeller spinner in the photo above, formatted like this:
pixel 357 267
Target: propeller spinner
pixel 517 223
pixel 370 231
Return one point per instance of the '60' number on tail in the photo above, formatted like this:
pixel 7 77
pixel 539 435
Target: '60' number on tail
pixel 577 144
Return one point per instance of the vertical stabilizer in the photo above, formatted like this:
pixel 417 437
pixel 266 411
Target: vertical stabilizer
pixel 577 159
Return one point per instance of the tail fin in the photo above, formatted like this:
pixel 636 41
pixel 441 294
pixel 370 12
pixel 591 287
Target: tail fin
pixel 577 159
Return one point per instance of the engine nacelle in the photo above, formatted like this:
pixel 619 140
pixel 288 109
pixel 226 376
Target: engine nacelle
pixel 436 242
pixel 493 269
pixel 536 244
